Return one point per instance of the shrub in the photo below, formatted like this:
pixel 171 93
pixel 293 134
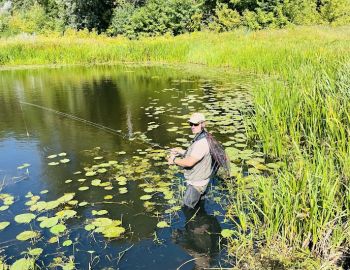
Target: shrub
pixel 225 19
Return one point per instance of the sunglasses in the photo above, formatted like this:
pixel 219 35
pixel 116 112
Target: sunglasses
pixel 193 124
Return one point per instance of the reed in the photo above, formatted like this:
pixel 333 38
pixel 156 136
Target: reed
pixel 300 214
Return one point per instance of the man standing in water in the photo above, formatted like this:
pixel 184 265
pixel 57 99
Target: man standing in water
pixel 196 161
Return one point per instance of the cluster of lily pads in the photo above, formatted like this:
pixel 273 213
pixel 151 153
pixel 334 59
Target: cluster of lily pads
pixel 59 158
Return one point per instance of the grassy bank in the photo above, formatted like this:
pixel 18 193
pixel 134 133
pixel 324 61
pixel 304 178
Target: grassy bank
pixel 300 216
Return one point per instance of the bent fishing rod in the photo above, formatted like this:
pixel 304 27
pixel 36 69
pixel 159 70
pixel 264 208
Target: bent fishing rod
pixel 96 125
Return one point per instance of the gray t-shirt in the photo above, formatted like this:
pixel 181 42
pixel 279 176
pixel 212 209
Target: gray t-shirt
pixel 199 174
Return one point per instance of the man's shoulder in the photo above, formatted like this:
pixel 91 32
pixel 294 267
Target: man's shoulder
pixel 202 143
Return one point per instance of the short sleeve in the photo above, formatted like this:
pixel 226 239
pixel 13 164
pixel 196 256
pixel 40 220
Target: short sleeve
pixel 200 149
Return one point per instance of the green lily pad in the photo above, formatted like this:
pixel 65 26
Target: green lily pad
pixel 83 203
pixel 83 188
pixel 66 197
pixel 162 224
pixel 52 156
pixel 49 222
pixel 98 222
pixel 62 154
pixel 65 160
pixel 91 173
pixel 23 166
pixel 3 225
pixel 149 190
pixel 4 207
pixel 26 235
pixel 145 197
pixel 99 213
pixel 67 243
pixel 24 218
pixel 23 264
pixel 90 227
pixel 96 182
pixel 35 251
pixel 57 229
pixel 53 163
pixel 113 232
pixel 123 190
pixel 66 214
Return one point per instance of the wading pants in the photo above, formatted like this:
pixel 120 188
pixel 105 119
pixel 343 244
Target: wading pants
pixel 193 194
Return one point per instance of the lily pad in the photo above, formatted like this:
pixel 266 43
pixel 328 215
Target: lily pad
pixel 35 251
pixel 113 232
pixel 83 203
pixel 67 243
pixel 96 182
pixel 53 163
pixel 49 222
pixel 162 224
pixel 83 188
pixel 23 264
pixel 90 173
pixel 57 229
pixel 99 213
pixel 3 225
pixel 26 235
pixel 4 207
pixel 66 214
pixel 145 197
pixel 24 218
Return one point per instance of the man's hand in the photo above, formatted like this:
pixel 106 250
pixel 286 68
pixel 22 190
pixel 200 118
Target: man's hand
pixel 177 151
pixel 171 159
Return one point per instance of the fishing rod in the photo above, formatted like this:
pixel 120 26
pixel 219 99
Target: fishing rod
pixel 99 126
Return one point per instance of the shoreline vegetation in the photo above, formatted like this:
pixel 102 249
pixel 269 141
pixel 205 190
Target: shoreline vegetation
pixel 297 218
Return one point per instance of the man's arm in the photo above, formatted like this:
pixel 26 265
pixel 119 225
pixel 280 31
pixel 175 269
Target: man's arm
pixel 183 162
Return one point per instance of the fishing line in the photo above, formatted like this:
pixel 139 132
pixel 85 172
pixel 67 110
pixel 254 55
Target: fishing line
pixel 96 125
pixel 24 120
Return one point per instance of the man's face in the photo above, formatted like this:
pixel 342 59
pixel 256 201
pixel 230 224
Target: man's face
pixel 196 128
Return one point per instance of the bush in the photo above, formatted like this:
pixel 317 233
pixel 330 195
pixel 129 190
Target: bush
pixel 157 17
pixel 4 24
pixel 32 21
pixel 120 23
pixel 225 19
pixel 336 12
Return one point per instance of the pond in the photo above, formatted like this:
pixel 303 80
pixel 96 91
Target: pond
pixel 84 179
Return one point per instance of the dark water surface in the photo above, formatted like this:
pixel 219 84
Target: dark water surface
pixel 141 103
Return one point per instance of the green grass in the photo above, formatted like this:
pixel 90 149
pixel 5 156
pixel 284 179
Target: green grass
pixel 300 215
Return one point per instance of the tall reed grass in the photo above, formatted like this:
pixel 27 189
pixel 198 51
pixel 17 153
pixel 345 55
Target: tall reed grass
pixel 302 116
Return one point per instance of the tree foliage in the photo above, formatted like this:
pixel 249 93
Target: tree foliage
pixel 135 18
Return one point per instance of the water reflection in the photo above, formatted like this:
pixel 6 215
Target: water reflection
pixel 200 236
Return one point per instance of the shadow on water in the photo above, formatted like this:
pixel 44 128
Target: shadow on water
pixel 200 236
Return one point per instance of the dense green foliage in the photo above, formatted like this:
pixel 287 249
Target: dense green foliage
pixel 133 18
